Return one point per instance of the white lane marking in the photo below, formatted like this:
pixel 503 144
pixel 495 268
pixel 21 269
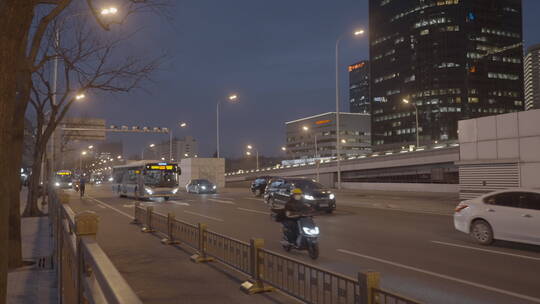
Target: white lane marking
pixel 111 207
pixel 205 216
pixel 254 199
pixel 378 206
pixel 442 276
pixel 179 203
pixel 254 211
pixel 128 205
pixel 222 201
pixel 488 250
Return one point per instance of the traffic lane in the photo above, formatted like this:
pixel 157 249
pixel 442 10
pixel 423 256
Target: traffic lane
pixel 247 230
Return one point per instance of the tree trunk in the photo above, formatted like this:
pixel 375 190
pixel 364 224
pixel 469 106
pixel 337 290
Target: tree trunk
pixel 15 20
pixel 32 208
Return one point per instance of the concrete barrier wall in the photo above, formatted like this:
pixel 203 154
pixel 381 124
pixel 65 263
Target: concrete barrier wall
pixel 413 187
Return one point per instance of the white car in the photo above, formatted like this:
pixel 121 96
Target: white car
pixel 511 215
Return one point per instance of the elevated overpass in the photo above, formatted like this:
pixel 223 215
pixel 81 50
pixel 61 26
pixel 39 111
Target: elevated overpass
pixel 434 164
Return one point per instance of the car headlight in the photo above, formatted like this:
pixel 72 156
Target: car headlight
pixel 203 187
pixel 309 197
pixel 57 184
pixel 110 179
pixel 331 196
pixel 70 184
pixel 174 190
pixel 309 231
pixel 149 191
pixel 214 187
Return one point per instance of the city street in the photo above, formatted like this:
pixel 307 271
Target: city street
pixel 416 249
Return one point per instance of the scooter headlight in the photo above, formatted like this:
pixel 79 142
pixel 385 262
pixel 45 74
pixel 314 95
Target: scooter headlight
pixel 309 231
pixel 149 191
pixel 309 197
pixel 332 196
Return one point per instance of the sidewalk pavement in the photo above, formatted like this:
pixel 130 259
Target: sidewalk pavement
pixel 34 283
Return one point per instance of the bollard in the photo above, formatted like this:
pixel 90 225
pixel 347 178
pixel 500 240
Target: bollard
pixel 169 240
pixel 201 256
pixel 366 282
pixel 255 284
pixel 86 226
pixel 148 227
pixel 135 211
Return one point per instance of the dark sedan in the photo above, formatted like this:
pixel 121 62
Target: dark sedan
pixel 201 186
pixel 278 192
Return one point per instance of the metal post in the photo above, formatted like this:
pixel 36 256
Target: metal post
pixel 86 225
pixel 201 256
pixel 217 128
pixel 255 284
pixel 417 131
pixel 366 282
pixel 169 240
pixel 257 157
pixel 338 150
pixel 317 159
pixel 170 144
pixel 55 81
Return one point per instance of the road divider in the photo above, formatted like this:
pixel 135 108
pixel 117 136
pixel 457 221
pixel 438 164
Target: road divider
pixel 268 270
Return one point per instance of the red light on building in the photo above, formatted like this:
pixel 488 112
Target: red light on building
pixel 356 66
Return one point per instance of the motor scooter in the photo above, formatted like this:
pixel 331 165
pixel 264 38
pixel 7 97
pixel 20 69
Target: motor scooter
pixel 307 237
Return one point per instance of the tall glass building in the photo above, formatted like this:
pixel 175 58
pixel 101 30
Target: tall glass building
pixel 532 78
pixel 452 59
pixel 359 88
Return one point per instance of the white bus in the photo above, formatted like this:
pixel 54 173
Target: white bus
pixel 145 179
pixel 63 179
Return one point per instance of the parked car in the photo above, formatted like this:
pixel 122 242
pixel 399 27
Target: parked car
pixel 201 186
pixel 511 215
pixel 258 186
pixel 278 192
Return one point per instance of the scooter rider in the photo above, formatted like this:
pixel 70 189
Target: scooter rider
pixel 294 209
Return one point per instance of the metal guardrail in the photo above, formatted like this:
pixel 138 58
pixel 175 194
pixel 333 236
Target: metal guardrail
pixel 85 273
pixel 268 270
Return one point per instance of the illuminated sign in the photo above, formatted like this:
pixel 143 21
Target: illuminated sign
pixel 322 122
pixel 160 166
pixel 63 173
pixel 356 66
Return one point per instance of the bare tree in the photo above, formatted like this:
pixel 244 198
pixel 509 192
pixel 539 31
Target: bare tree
pixel 20 46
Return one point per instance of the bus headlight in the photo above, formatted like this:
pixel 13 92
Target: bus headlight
pixel 332 196
pixel 110 179
pixel 57 184
pixel 203 187
pixel 70 184
pixel 174 190
pixel 148 190
pixel 214 187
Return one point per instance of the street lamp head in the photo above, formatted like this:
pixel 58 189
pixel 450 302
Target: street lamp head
pixel 109 11
pixel 359 32
pixel 83 153
pixel 305 128
pixel 248 153
pixel 405 100
pixel 343 141
pixel 119 157
pixel 283 149
pixel 250 147
pixel 183 125
pixel 91 147
pixel 80 96
pixel 152 145
pixel 233 98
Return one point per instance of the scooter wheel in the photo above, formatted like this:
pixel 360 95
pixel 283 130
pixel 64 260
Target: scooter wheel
pixel 313 250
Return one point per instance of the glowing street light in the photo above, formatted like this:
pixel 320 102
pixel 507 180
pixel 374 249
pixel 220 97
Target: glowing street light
pixel 183 124
pixel 283 148
pixel 91 147
pixel 152 145
pixel 250 147
pixel 305 128
pixel 119 157
pixel 83 153
pixel 80 96
pixel 109 11
pixel 359 32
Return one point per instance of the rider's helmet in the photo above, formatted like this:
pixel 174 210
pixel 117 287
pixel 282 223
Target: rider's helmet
pixel 297 193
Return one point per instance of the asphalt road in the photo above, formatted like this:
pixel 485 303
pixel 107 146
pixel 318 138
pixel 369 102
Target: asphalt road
pixel 418 253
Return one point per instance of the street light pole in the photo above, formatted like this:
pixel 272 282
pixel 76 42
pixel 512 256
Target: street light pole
pixel 232 98
pixel 250 147
pixel 338 149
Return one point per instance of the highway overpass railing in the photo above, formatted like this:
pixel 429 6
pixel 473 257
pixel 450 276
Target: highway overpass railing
pixel 85 273
pixel 268 270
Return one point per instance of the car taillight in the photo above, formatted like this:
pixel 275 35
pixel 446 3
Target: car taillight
pixel 460 207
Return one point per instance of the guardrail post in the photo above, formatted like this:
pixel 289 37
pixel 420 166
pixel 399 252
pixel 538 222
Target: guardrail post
pixel 255 284
pixel 367 281
pixel 201 256
pixel 148 226
pixel 86 226
pixel 169 240
pixel 135 210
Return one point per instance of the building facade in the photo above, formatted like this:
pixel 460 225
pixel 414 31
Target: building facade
pixel 186 147
pixel 306 135
pixel 359 88
pixel 452 59
pixel 532 78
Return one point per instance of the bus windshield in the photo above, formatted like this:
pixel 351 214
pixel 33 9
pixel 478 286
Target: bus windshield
pixel 64 178
pixel 160 178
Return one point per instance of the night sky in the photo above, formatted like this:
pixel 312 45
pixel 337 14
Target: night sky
pixel 278 56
